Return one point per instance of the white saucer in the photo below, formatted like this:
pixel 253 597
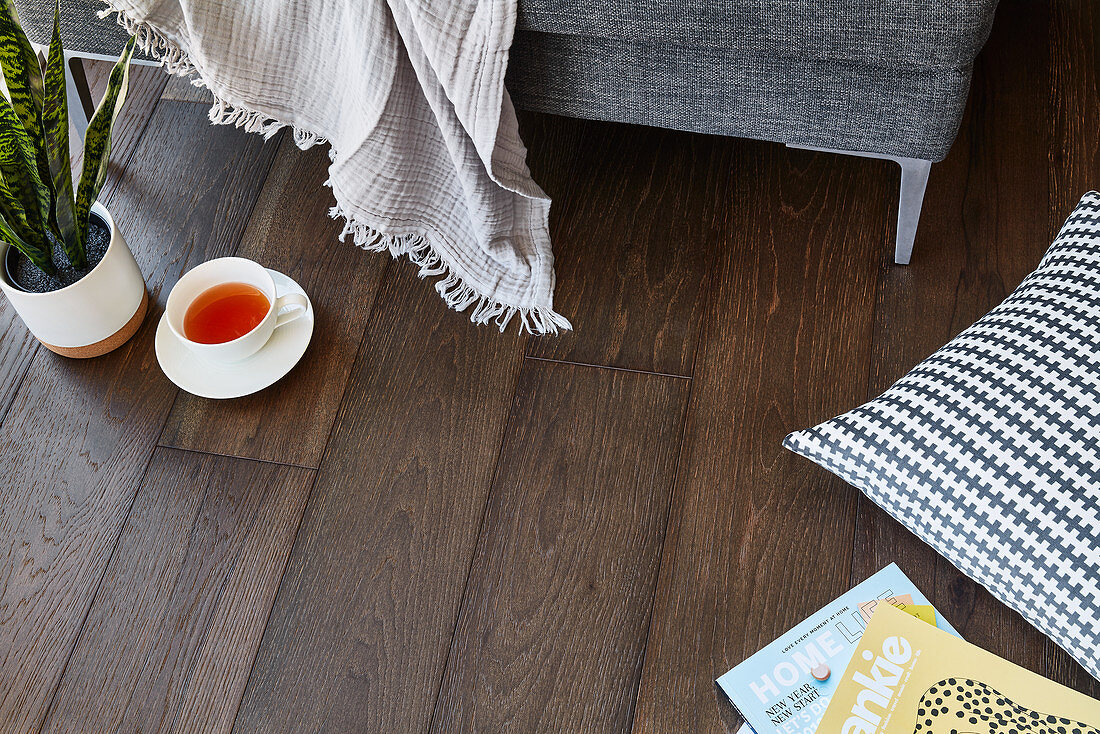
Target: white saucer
pixel 276 358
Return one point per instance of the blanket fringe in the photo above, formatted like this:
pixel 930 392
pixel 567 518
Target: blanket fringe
pixel 172 57
pixel 454 291
pixel 176 61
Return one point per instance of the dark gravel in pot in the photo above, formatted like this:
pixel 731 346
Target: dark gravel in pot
pixel 27 276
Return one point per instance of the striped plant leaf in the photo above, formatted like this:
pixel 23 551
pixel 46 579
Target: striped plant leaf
pixel 23 76
pixel 97 140
pixel 22 71
pixel 19 171
pixel 55 128
pixel 37 252
pixel 11 210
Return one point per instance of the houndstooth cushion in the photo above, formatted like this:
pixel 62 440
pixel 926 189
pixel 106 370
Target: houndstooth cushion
pixel 989 450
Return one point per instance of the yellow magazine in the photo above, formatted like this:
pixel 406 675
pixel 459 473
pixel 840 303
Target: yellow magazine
pixel 907 677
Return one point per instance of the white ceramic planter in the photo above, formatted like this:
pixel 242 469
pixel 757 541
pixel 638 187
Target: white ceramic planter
pixel 92 316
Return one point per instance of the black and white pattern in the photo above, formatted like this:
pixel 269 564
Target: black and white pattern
pixel 989 450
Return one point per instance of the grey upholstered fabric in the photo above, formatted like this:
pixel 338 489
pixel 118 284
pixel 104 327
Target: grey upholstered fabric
pixel 884 76
pixel 895 109
pixel 82 29
pixel 887 76
pixel 924 34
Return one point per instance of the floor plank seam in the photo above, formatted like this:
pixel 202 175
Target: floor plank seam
pixel 664 539
pixel 95 594
pixel 700 342
pixel 607 367
pixel 188 101
pixel 18 386
pixel 871 393
pixel 274 600
pixel 477 545
pixel 267 617
pixel 309 496
pixel 312 484
pixel 236 251
pixel 217 455
pixel 351 369
pixel 133 149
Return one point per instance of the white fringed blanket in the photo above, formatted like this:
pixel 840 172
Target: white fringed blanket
pixel 426 156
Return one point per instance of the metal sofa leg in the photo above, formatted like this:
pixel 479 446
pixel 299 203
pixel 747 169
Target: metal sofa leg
pixel 914 180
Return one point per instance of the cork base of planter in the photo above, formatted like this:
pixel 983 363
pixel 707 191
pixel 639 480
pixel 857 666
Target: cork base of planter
pixel 114 341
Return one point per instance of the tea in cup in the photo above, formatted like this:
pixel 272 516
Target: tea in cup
pixel 225 310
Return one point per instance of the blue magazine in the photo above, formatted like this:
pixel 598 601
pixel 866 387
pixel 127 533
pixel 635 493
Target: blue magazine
pixel 784 688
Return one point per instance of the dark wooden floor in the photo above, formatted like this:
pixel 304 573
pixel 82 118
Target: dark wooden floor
pixel 432 527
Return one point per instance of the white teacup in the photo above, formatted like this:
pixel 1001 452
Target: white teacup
pixel 231 270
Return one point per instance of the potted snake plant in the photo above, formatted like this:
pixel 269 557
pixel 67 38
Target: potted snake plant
pixel 65 267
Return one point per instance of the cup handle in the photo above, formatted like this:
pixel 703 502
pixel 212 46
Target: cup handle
pixel 290 299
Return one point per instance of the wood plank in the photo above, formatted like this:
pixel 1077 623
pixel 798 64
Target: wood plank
pixel 554 620
pixel 291 231
pixel 170 639
pixel 17 350
pixel 984 228
pixel 635 231
pixel 17 346
pixel 80 433
pixel 181 89
pixel 360 630
pixel 1075 169
pixel 757 538
pixel 1074 92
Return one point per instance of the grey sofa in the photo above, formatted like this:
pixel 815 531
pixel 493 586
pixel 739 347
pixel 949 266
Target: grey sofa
pixel 881 78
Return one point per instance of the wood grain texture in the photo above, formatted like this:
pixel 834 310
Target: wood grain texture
pixel 554 619
pixel 180 89
pixel 79 434
pixel 984 230
pixel 17 349
pixel 635 230
pixel 1074 93
pixel 362 623
pixel 291 231
pixel 756 538
pixel 169 642
pixel 1074 169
